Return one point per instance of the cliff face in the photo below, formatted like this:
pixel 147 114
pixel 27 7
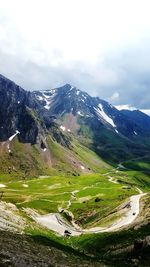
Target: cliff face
pixel 18 112
pixel 24 119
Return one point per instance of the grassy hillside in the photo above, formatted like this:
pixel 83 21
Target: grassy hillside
pixel 25 160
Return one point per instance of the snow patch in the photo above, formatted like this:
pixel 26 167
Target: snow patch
pixel 47 106
pixel 79 113
pixel 53 91
pixel 63 128
pixel 85 97
pixel 69 130
pixel 46 96
pixel 78 91
pixel 103 115
pixel 135 133
pixel 13 136
pixel 116 131
pixel 40 97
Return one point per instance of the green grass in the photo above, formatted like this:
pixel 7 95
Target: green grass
pixel 100 247
pixel 99 244
pixel 89 157
pixel 136 178
pixel 24 162
pixel 139 165
pixel 47 194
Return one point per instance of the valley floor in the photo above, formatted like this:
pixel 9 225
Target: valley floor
pixel 101 212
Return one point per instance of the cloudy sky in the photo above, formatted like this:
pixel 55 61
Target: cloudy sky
pixel 100 46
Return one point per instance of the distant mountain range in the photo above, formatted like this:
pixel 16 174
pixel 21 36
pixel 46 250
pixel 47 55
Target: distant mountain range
pixel 128 107
pixel 67 118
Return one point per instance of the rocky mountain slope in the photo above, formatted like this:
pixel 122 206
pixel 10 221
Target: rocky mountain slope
pixel 69 99
pixel 50 125
pixel 111 133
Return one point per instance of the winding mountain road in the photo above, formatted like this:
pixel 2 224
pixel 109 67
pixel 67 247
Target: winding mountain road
pixel 55 222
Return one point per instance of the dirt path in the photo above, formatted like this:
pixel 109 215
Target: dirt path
pixel 112 180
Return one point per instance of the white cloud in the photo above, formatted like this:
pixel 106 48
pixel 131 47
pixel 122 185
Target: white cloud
pixel 127 107
pixel 81 30
pixel 114 97
pixel 46 43
pixel 146 111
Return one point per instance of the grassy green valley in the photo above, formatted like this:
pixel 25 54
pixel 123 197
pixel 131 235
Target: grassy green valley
pixel 94 202
pixel 47 194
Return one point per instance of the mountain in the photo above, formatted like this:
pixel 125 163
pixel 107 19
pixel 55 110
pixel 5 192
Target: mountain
pixel 84 151
pixel 142 121
pixel 66 130
pixel 141 117
pixel 70 100
pixel 111 133
pixel 18 111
